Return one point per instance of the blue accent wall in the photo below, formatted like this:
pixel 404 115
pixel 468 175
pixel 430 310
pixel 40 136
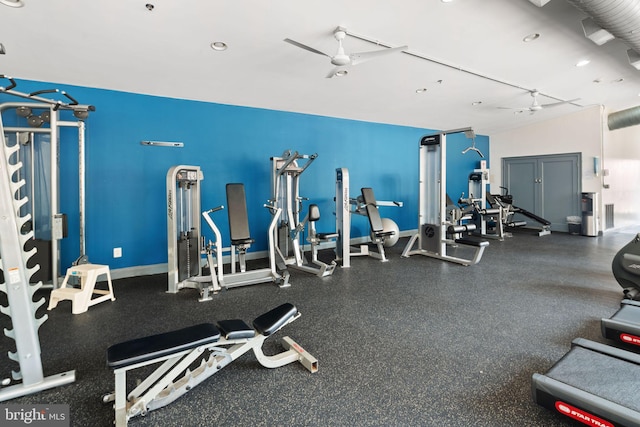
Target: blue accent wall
pixel 125 181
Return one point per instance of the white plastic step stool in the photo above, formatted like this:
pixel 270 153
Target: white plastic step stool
pixel 81 297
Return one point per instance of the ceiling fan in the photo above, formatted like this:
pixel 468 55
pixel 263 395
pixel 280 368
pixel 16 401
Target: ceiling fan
pixel 536 106
pixel 342 60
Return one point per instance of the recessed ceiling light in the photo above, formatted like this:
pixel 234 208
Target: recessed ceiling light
pixel 341 73
pixel 620 80
pixel 12 3
pixel 219 46
pixel 531 37
pixel 474 103
pixel 446 1
pixel 582 63
pixel 421 90
pixel 149 6
pixel 2 51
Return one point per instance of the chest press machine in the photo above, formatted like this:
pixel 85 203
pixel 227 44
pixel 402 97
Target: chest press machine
pixel 209 346
pixel 241 240
pixel 286 208
pixel 436 235
pixel 185 241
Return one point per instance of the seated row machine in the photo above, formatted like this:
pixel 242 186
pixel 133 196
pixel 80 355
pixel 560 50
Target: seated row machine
pixel 214 345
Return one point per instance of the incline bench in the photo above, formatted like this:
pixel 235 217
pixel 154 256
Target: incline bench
pixel 217 345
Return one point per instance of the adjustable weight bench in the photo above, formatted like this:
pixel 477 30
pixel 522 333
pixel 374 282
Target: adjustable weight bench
pixel 215 345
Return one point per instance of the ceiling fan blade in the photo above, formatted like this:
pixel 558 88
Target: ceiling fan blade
pixel 358 58
pixel 555 104
pixel 305 47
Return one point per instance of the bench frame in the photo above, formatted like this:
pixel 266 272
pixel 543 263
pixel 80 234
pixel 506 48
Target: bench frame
pixel 173 378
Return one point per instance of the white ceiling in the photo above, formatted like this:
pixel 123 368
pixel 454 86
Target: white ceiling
pixel 121 45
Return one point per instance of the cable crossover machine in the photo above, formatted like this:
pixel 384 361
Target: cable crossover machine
pixel 17 255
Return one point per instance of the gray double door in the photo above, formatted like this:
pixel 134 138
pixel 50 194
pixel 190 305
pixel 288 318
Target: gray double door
pixel 548 186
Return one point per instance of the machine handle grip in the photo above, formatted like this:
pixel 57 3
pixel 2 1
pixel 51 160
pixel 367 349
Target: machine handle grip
pixel 40 92
pixel 217 208
pixel 70 98
pixel 11 80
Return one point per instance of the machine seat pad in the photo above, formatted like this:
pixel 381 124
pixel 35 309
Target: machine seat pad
pixel 155 346
pixel 472 241
pixel 240 242
pixel 326 236
pixel 269 322
pixel 235 329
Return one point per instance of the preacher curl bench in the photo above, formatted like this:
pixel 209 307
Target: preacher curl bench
pixel 215 345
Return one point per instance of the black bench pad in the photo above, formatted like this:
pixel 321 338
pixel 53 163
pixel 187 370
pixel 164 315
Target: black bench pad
pixel 235 329
pixel 273 320
pixel 155 346
pixel 472 241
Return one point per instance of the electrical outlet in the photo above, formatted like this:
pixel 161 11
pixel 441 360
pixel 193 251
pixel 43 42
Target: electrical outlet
pixel 117 252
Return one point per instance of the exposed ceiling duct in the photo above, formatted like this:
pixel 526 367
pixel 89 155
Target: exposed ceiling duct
pixel 621 18
pixel 624 118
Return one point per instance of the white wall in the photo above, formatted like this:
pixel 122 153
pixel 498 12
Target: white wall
pixel 579 132
pixel 621 159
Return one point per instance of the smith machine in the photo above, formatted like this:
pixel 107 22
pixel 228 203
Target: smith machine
pixel 436 233
pixel 20 195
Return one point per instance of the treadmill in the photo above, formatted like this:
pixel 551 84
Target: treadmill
pixel 624 325
pixel 594 383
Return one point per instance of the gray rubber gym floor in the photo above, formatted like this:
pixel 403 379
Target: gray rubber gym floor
pixel 411 342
